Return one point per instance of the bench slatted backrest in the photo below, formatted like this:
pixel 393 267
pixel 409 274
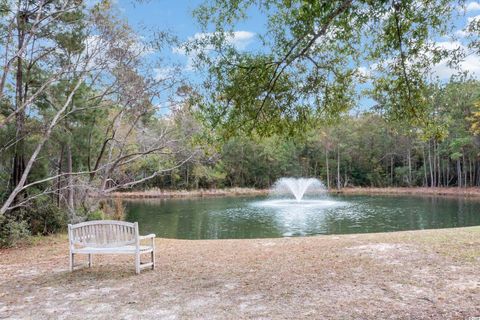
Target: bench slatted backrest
pixel 103 233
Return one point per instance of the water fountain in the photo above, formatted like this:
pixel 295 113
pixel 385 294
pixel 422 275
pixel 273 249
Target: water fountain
pixel 298 187
pixel 287 194
pixel 296 202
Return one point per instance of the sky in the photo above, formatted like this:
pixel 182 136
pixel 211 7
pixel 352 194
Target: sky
pixel 176 16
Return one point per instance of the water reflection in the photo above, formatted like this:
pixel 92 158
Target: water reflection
pixel 220 218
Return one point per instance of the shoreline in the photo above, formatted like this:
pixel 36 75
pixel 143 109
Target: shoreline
pixel 419 191
pixel 201 193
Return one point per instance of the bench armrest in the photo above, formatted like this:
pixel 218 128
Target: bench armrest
pixel 148 236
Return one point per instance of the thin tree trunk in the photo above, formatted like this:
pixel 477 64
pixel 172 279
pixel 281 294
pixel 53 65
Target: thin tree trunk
pixel 70 190
pixel 470 172
pixel 338 169
pixel 432 181
pixel 391 170
pixel 328 172
pixel 425 179
pixel 59 172
pixel 459 174
pixel 409 155
pixel 448 173
pixel 439 169
pixel 186 174
pixel 19 155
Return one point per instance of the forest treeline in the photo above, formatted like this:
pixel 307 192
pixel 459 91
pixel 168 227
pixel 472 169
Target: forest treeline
pixel 369 150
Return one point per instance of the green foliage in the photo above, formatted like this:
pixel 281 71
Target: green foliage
pixel 39 216
pixel 96 215
pixel 44 216
pixel 13 232
pixel 307 67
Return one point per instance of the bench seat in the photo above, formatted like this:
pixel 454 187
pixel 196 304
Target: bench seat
pixel 114 250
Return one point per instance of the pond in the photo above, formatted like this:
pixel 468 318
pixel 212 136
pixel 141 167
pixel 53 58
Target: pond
pixel 260 217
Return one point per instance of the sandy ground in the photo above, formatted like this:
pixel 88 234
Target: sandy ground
pixel 405 275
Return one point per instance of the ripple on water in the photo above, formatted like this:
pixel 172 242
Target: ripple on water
pixel 282 203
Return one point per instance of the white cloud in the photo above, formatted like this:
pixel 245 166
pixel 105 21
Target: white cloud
pixel 239 39
pixel 442 70
pixel 462 33
pixel 164 73
pixel 471 63
pixel 449 45
pixel 364 71
pixel 472 6
pixel 472 19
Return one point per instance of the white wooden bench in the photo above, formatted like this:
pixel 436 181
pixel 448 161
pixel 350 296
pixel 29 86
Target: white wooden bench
pixel 109 237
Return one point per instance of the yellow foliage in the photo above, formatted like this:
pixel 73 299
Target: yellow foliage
pixel 475 119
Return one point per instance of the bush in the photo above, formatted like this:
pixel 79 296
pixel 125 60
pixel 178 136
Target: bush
pixel 44 217
pixel 95 215
pixel 13 232
pixel 109 209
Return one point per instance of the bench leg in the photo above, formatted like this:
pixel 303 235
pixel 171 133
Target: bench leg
pixel 90 260
pixel 153 254
pixel 137 263
pixel 72 261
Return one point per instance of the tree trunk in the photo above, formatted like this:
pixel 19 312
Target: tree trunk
pixel 391 170
pixel 409 155
pixel 432 181
pixel 70 190
pixel 448 174
pixel 59 179
pixel 338 169
pixel 470 172
pixel 328 172
pixel 186 165
pixel 459 174
pixel 425 180
pixel 19 155
pixel 439 169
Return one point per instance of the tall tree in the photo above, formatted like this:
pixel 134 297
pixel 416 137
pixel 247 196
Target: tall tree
pixel 308 64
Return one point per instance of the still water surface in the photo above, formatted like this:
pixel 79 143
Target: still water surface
pixel 257 217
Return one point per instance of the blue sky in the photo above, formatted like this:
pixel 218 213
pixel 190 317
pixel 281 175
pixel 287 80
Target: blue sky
pixel 176 16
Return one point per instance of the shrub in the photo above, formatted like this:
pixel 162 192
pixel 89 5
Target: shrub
pixel 95 215
pixel 44 217
pixel 13 232
pixel 112 209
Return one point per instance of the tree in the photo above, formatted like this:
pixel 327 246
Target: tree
pixel 92 85
pixel 308 65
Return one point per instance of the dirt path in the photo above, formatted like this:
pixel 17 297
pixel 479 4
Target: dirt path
pixel 419 274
